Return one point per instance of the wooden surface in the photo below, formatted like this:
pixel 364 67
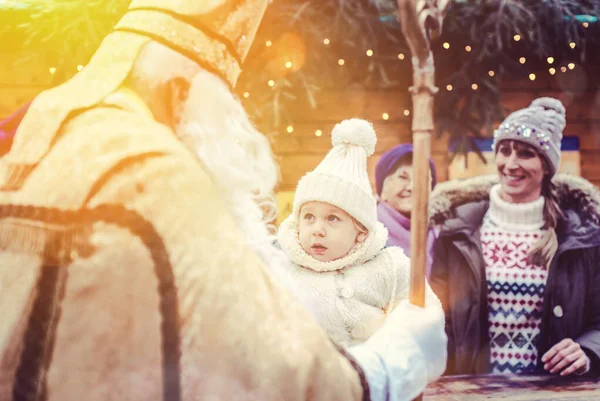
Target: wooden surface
pixel 513 388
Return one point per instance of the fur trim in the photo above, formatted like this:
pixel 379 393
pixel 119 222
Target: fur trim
pixel 573 193
pixel 367 250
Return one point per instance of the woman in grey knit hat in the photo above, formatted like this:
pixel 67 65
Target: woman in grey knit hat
pixel 517 261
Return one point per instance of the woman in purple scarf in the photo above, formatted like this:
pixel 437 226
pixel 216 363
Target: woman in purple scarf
pixel 393 181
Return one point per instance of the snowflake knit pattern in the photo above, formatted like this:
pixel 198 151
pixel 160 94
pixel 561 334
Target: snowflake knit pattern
pixel 515 288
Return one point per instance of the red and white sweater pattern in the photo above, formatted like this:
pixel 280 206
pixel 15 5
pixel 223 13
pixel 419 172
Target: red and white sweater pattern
pixel 515 287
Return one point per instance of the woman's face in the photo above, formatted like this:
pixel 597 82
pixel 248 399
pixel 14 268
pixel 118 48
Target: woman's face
pixel 397 188
pixel 521 172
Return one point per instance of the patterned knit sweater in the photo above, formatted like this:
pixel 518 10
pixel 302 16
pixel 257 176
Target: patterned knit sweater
pixel 515 288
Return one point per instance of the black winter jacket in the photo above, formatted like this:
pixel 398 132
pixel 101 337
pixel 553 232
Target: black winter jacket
pixel 458 273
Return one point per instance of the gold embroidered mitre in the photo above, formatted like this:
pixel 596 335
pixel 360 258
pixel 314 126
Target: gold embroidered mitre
pixel 217 34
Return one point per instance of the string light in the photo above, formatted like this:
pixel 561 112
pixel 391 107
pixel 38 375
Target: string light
pixel 79 67
pixel 401 56
pixel 550 60
pixel 517 37
pixel 369 52
pixel 448 88
pixel 290 129
pixel 318 132
pixel 326 41
pixel 246 95
pixel 552 71
pixel 407 112
pixel 572 45
pixel 268 43
pixel 532 77
pixel 491 73
pixel 446 45
pixel 474 87
pixel 522 60
pixel 288 64
pixel 52 70
pixel 271 83
pixel 468 48
pixel 563 68
pixel 341 61
pixel 571 66
pixel 385 116
pixel 585 24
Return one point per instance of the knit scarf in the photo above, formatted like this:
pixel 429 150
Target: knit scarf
pixel 398 227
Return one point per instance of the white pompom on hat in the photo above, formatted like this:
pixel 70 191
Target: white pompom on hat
pixel 341 179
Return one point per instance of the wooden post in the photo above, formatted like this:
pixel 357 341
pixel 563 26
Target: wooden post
pixel 421 19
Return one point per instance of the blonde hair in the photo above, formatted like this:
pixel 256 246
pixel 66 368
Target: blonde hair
pixel 543 251
pixel 359 226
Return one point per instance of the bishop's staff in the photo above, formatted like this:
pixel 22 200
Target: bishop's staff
pixel 421 20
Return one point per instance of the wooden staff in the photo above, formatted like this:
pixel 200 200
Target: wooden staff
pixel 421 19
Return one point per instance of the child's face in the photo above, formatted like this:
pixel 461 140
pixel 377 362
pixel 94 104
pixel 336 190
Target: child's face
pixel 327 232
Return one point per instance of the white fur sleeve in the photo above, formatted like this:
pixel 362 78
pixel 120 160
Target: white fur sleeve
pixel 406 354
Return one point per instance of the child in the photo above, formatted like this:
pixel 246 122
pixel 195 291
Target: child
pixel 349 280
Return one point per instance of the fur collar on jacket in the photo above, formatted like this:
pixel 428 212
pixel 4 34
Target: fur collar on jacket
pixel 287 237
pixel 574 193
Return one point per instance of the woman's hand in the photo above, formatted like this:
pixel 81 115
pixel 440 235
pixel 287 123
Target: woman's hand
pixel 566 357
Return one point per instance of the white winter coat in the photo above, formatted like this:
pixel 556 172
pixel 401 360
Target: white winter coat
pixel 351 296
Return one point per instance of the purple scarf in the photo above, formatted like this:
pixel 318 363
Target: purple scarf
pixel 398 227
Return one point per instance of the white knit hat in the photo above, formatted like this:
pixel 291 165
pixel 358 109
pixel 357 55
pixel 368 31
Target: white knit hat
pixel 341 179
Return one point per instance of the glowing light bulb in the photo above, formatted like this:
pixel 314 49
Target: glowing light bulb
pixel 369 52
pixel 532 77
pixel 407 112
pixel 571 66
pixel 563 68
pixel 385 116
pixel 491 73
pixel 401 56
pixel 290 129
pixel 522 60
pixel 585 24
pixel 326 41
pixel 550 60
pixel 572 45
pixel 79 67
pixel 517 37
pixel 271 83
pixel 449 88
pixel 552 71
pixel 318 132
pixel 468 48
pixel 246 95
pixel 268 43
pixel 341 61
pixel 446 45
pixel 52 70
pixel 288 64
pixel 474 87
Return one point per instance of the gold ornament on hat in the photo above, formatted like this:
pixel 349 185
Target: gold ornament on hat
pixel 216 34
